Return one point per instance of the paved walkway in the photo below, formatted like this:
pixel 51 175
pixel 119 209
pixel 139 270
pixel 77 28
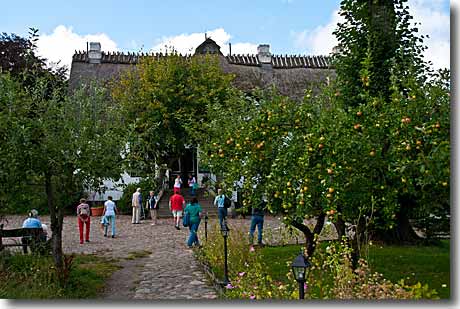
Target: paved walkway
pixel 168 270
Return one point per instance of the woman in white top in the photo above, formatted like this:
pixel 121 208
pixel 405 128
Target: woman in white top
pixel 110 210
pixel 177 184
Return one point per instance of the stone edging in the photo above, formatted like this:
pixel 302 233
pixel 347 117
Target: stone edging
pixel 210 275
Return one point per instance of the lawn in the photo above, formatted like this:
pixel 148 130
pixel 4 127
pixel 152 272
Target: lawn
pixel 34 277
pixel 425 264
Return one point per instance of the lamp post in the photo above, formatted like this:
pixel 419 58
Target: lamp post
pixel 299 268
pixel 224 230
pixel 206 226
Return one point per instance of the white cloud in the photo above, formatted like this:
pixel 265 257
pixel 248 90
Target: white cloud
pixel 320 40
pixel 434 22
pixel 62 43
pixel 187 43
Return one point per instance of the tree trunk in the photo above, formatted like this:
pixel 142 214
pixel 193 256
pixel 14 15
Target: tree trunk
pixel 340 227
pixel 358 241
pixel 310 241
pixel 56 217
pixel 402 233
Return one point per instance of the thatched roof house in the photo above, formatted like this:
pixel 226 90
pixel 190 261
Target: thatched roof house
pixel 291 75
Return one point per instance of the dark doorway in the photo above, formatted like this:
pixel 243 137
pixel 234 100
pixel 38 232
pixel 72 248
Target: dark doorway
pixel 184 166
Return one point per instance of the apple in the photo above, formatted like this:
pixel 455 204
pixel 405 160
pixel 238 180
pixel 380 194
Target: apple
pixel 372 153
pixel 357 126
pixel 331 190
pixel 320 146
pixel 359 113
pixel 329 195
pixel 330 171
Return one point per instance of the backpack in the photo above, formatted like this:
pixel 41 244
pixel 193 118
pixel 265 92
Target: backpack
pixel 84 212
pixel 186 219
pixel 227 202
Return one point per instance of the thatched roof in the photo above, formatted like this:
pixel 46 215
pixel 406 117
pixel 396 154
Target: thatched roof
pixel 291 75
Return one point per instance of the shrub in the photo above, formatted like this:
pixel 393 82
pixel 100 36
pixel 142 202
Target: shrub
pixel 146 185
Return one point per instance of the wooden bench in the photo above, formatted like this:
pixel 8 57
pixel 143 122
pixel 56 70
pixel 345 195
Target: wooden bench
pixel 30 237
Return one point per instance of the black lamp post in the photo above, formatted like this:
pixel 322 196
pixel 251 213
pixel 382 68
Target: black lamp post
pixel 225 230
pixel 206 226
pixel 299 268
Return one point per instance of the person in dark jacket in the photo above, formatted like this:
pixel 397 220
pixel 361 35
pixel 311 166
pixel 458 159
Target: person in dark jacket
pixel 258 213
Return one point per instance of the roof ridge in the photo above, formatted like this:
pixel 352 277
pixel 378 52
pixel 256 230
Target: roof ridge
pixel 277 60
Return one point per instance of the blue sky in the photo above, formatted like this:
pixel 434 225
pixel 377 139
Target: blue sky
pixel 289 26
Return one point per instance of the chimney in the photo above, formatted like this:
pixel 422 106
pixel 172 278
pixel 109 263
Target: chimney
pixel 263 53
pixel 94 54
pixel 336 50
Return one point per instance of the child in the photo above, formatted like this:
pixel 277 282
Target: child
pixel 104 223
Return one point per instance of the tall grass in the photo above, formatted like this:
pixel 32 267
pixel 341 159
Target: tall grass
pixel 34 277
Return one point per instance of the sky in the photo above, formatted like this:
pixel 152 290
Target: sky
pixel 289 26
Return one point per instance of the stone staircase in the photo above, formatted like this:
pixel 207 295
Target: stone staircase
pixel 204 199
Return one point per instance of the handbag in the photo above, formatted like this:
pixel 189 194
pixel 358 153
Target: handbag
pixel 186 219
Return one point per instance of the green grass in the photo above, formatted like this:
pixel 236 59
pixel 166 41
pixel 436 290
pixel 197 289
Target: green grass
pixel 138 254
pixel 425 264
pixel 34 277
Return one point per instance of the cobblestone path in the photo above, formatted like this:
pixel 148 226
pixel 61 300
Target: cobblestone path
pixel 167 271
pixel 163 267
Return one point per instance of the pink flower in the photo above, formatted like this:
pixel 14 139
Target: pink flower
pixel 305 286
pixel 241 274
pixel 252 296
pixel 229 286
pixel 251 249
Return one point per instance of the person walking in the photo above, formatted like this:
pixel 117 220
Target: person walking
pixel 219 201
pixel 192 184
pixel 110 210
pixel 137 204
pixel 177 184
pixel 176 205
pixel 195 211
pixel 83 218
pixel 257 219
pixel 152 202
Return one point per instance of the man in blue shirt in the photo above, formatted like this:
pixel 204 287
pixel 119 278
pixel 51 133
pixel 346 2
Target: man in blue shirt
pixel 32 221
pixel 222 211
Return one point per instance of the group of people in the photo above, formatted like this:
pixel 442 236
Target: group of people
pixel 178 208
pixel 152 204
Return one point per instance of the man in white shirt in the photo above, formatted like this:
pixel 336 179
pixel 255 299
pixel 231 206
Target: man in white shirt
pixel 137 204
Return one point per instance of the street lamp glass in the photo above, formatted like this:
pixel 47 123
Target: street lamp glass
pixel 299 267
pixel 224 232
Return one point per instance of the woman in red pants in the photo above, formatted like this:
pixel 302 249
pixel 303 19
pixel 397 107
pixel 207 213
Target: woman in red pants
pixel 83 217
